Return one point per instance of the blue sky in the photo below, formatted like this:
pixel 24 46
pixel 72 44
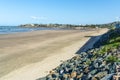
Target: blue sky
pixel 15 12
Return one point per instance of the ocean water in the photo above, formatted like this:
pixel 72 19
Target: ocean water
pixel 15 29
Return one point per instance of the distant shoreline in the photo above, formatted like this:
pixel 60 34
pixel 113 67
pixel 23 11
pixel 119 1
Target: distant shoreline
pixel 17 29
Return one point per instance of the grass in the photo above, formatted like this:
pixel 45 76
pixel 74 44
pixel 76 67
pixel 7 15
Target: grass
pixel 110 45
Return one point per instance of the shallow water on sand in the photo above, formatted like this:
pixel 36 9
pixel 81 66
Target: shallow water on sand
pixel 15 29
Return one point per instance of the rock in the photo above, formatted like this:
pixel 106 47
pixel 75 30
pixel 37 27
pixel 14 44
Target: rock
pixel 101 74
pixel 51 72
pixel 73 74
pixel 84 59
pixel 66 70
pixel 79 76
pixel 55 75
pixel 91 67
pixel 94 78
pixel 49 77
pixel 83 54
pixel 89 76
pixel 84 77
pixel 85 65
pixel 93 72
pixel 65 76
pixel 90 55
pixel 86 70
pixel 108 77
pixel 70 70
pixel 76 62
pixel 61 71
pixel 118 63
pixel 76 57
pixel 92 50
pixel 105 55
pixel 96 65
pixel 102 66
pixel 88 62
pixel 100 60
pixel 107 67
pixel 71 79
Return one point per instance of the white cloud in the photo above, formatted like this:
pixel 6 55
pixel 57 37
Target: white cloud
pixel 38 18
pixel 33 17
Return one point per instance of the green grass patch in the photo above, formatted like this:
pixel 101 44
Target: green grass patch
pixel 110 45
pixel 112 59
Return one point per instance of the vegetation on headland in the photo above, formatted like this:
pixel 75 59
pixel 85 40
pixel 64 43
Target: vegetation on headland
pixel 72 26
pixel 94 64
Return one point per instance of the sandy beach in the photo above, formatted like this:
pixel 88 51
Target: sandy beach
pixel 31 55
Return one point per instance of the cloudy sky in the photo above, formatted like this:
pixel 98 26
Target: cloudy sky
pixel 15 12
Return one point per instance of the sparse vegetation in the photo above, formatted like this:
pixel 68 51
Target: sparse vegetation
pixel 112 59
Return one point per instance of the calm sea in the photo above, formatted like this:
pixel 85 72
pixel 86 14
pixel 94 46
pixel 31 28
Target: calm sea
pixel 15 29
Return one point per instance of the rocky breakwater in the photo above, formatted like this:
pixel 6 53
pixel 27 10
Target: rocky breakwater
pixel 88 65
pixel 93 64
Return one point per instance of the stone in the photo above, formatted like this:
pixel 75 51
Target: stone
pixel 71 79
pixel 94 78
pixel 89 76
pixel 54 75
pixel 86 70
pixel 93 72
pixel 96 65
pixel 84 77
pixel 101 74
pixel 51 72
pixel 79 76
pixel 108 77
pixel 70 70
pixel 88 61
pixel 73 74
pixel 49 77
pixel 65 76
pixel 61 71
pixel 76 57
pixel 84 59
pixel 66 70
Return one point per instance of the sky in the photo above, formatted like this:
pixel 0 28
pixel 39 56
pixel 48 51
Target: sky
pixel 16 12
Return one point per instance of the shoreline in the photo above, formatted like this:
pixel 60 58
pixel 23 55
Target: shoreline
pixel 17 29
pixel 40 71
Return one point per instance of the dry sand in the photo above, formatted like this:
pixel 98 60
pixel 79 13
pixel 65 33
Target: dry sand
pixel 31 55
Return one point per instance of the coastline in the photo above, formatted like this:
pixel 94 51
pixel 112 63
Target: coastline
pixel 33 71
